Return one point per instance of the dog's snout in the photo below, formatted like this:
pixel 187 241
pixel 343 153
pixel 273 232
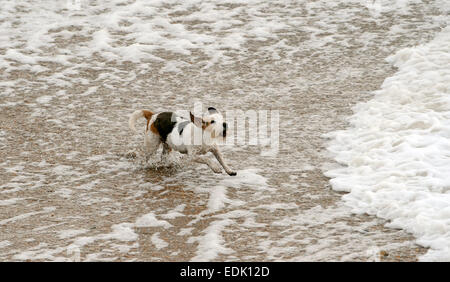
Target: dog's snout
pixel 225 126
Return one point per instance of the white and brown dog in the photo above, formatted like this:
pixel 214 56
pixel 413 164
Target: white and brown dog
pixel 194 137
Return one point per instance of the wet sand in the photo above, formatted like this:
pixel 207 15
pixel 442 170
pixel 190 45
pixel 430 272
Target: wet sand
pixel 66 180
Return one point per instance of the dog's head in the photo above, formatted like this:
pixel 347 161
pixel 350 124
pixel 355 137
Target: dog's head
pixel 211 122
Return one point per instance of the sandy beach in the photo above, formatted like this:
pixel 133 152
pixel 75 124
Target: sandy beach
pixel 71 76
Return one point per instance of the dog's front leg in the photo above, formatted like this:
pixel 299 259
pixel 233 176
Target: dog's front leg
pixel 205 160
pixel 219 157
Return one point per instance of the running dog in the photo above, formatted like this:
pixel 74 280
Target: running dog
pixel 194 137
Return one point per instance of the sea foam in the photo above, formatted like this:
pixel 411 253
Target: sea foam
pixel 396 152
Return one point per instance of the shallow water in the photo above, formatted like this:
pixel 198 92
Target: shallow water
pixel 70 78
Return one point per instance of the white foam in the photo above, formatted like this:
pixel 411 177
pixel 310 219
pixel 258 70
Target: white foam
pixel 158 242
pixel 278 206
pixel 64 170
pixel 150 27
pixel 211 244
pixel 44 99
pixel 149 220
pixel 176 212
pixel 40 252
pixel 396 153
pixel 122 232
pixel 185 231
pixel 26 215
pixel 217 198
pixel 248 177
pixel 4 244
pixel 10 201
pixel 64 192
pixel 64 234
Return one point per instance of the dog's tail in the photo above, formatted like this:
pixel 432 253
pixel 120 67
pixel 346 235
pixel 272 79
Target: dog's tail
pixel 138 114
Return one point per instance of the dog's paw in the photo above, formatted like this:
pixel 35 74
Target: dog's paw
pixel 232 173
pixel 217 170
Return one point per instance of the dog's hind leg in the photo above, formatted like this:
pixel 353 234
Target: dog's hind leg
pixel 165 152
pixel 151 144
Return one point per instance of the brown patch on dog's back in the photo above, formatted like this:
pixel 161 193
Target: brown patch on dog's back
pixel 153 128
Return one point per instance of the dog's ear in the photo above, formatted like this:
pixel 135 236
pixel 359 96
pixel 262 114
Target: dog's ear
pixel 196 120
pixel 212 110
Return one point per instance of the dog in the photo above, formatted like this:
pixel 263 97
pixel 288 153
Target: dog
pixel 195 137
